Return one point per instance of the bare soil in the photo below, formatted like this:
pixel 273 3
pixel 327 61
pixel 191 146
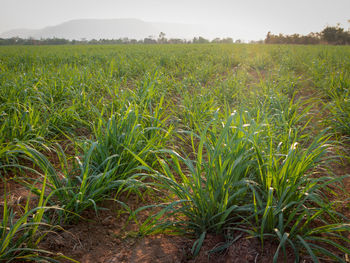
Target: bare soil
pixel 104 239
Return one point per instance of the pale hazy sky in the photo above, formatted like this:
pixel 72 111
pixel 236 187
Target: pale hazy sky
pixel 246 19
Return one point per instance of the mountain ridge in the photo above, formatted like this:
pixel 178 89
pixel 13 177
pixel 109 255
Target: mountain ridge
pixel 108 29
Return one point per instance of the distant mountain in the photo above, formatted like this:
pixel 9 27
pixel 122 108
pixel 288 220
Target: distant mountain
pixel 108 29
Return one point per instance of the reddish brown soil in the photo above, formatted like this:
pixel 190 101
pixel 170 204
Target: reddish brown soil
pixel 109 237
pixel 104 240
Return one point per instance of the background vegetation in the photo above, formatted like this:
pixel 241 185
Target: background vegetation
pixel 332 35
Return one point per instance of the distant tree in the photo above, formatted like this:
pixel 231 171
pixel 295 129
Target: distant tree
pixel 125 40
pixel 216 40
pixel 256 42
pixel 93 42
pixel 200 40
pixel 161 38
pixel 227 40
pixel 335 35
pixel 148 40
pixel 312 38
pixel 176 41
pixel 268 38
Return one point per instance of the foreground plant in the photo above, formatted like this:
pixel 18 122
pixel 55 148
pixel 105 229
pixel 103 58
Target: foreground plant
pixel 78 186
pixel 130 130
pixel 21 234
pixel 339 107
pixel 291 204
pixel 211 191
pixel 239 181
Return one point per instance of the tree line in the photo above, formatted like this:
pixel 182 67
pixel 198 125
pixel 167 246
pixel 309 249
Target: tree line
pixel 148 40
pixel 333 35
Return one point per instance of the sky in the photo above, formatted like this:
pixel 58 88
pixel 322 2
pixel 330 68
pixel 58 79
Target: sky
pixel 244 19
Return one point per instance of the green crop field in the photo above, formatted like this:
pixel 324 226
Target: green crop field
pixel 245 142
